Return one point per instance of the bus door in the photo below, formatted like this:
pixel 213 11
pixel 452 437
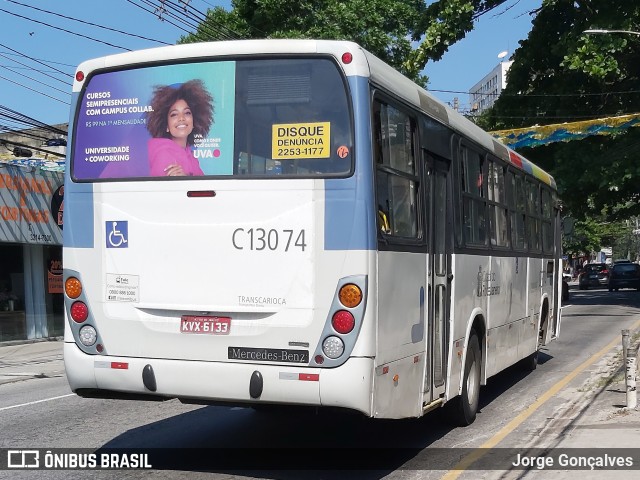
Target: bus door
pixel 439 275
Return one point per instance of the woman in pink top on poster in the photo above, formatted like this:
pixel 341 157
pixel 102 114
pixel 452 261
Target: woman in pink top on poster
pixel 179 113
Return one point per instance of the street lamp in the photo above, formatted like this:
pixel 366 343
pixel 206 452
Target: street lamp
pixel 598 30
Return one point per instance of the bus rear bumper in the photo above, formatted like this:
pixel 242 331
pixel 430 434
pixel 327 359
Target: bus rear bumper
pixel 103 376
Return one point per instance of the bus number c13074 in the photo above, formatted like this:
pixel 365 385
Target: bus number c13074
pixel 261 239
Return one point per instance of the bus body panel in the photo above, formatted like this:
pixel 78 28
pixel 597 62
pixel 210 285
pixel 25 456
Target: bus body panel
pixel 214 381
pixel 398 389
pixel 507 291
pixel 401 306
pixel 402 334
pixel 134 330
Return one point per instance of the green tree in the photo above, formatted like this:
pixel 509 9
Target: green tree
pixel 560 75
pixel 627 244
pixel 592 234
pixel 404 33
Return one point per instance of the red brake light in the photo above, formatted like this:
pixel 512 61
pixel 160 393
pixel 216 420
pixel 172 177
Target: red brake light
pixel 343 322
pixel 79 76
pixel 79 312
pixel 347 58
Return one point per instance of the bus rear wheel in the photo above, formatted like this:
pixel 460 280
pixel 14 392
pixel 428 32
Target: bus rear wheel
pixel 465 406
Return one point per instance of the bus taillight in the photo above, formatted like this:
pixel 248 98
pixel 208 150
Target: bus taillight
pixel 350 295
pixel 343 322
pixel 79 76
pixel 333 347
pixel 72 287
pixel 79 312
pixel 88 335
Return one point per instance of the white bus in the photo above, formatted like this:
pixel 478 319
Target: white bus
pixel 293 222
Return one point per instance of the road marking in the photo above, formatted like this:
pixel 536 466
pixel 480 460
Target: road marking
pixel 483 449
pixel 37 401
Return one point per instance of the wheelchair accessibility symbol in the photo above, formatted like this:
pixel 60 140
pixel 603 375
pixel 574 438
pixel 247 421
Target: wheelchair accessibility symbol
pixel 117 234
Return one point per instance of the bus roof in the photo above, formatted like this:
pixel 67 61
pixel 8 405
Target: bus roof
pixel 363 64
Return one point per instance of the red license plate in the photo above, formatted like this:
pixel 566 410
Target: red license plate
pixel 205 324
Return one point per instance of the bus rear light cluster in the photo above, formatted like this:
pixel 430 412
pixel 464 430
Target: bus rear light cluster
pixel 343 323
pixel 80 318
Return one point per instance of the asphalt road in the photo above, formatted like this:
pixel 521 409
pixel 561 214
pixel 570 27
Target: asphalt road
pixel 591 319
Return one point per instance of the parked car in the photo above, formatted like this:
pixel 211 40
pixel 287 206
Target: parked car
pixel 593 275
pixel 624 275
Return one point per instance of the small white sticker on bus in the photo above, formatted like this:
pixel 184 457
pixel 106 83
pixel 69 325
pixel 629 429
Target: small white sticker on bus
pixel 122 288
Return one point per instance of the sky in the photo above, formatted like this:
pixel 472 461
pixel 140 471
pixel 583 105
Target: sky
pixel 38 60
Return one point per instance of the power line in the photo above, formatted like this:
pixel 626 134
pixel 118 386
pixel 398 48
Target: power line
pixel 22 133
pixel 40 71
pixel 160 18
pixel 28 68
pixel 201 30
pixel 533 95
pixel 38 81
pixel 42 60
pixel 34 90
pixel 162 10
pixel 89 23
pixel 220 30
pixel 64 30
pixel 37 61
pixel 31 147
pixel 26 120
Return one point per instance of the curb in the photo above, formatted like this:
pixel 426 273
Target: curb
pixel 11 343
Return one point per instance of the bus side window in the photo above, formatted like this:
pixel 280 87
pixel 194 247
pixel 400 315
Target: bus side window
pixel 396 178
pixel 473 188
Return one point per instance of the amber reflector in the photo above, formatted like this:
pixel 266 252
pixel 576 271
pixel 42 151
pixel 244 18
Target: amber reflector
pixel 350 295
pixel 72 287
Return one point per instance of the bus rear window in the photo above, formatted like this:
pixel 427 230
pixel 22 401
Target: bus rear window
pixel 240 119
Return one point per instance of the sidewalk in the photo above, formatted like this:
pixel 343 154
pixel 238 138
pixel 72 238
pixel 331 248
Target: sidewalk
pixel 594 420
pixel 598 419
pixel 36 359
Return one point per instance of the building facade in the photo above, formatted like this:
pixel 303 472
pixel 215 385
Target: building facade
pixel 484 93
pixel 31 206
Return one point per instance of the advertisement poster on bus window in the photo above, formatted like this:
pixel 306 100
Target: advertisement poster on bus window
pixel 170 120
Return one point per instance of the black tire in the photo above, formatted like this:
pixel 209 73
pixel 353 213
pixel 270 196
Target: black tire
pixel 465 406
pixel 530 363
